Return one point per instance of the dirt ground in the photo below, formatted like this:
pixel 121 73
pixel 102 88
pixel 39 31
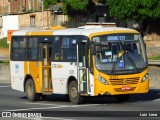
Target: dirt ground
pixel 152 51
pixel 4 52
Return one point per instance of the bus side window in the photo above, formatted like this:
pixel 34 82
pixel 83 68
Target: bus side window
pixel 56 48
pixel 19 48
pixel 33 48
pixel 68 50
pixel 64 48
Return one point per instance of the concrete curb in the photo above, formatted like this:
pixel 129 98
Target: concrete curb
pixel 4 73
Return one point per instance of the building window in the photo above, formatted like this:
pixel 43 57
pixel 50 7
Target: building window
pixel 32 20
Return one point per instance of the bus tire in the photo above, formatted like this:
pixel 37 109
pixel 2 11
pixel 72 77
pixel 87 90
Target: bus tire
pixel 122 98
pixel 74 96
pixel 31 91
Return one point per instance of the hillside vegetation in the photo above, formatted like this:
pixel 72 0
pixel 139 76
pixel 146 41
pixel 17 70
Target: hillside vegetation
pixel 3 43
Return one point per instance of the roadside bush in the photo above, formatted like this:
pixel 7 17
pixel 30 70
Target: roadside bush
pixel 3 43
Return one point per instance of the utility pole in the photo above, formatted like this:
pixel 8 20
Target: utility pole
pixel 9 7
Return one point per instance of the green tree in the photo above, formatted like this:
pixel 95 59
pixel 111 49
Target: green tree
pixel 134 9
pixel 72 7
pixel 100 1
pixel 48 3
pixel 79 5
pixel 145 11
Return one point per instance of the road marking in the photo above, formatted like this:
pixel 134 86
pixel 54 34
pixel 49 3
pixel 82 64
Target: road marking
pixel 5 84
pixel 35 108
pixel 60 106
pixel 156 100
pixel 41 104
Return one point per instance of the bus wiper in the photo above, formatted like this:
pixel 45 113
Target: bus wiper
pixel 129 58
pixel 133 63
pixel 114 65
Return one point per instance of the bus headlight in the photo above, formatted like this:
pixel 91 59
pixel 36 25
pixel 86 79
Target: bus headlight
pixel 145 77
pixel 102 80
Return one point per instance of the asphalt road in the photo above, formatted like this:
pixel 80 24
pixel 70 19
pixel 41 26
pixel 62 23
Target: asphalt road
pixel 56 107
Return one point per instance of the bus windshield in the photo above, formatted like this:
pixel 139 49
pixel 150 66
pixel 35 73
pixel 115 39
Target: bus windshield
pixel 120 53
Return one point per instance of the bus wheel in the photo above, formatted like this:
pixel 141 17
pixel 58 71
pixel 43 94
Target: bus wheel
pixel 30 91
pixel 123 98
pixel 74 96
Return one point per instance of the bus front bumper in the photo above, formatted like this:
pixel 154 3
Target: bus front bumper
pixel 142 87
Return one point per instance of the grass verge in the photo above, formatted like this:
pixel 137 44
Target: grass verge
pixel 3 43
pixel 157 57
pixel 4 62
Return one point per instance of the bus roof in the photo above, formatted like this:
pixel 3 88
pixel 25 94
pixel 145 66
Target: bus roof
pixel 83 30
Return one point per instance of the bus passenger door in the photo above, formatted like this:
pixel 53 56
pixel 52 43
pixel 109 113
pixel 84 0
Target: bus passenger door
pixel 46 53
pixel 83 70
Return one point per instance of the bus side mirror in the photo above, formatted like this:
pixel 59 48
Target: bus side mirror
pixel 92 49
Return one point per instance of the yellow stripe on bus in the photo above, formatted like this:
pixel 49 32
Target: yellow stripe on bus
pixel 112 32
pixel 39 33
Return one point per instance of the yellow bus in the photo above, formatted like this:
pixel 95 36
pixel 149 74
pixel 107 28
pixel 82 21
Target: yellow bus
pixel 79 62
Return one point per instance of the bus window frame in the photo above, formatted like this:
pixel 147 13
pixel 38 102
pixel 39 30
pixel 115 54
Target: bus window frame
pixel 11 53
pixel 68 49
pixel 40 40
pixel 37 59
pixel 79 40
pixel 60 48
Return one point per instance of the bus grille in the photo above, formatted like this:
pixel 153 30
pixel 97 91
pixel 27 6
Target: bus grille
pixel 124 81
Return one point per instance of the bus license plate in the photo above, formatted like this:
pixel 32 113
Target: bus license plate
pixel 126 88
